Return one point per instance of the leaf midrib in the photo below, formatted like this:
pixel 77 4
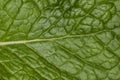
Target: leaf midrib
pixel 48 39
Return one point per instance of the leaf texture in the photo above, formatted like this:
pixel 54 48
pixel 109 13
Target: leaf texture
pixel 59 39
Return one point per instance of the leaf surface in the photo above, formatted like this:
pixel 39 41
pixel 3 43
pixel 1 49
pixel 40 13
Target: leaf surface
pixel 59 39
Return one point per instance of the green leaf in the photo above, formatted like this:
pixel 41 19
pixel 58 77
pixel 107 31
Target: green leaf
pixel 59 39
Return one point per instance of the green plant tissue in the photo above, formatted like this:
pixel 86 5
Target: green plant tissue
pixel 59 39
